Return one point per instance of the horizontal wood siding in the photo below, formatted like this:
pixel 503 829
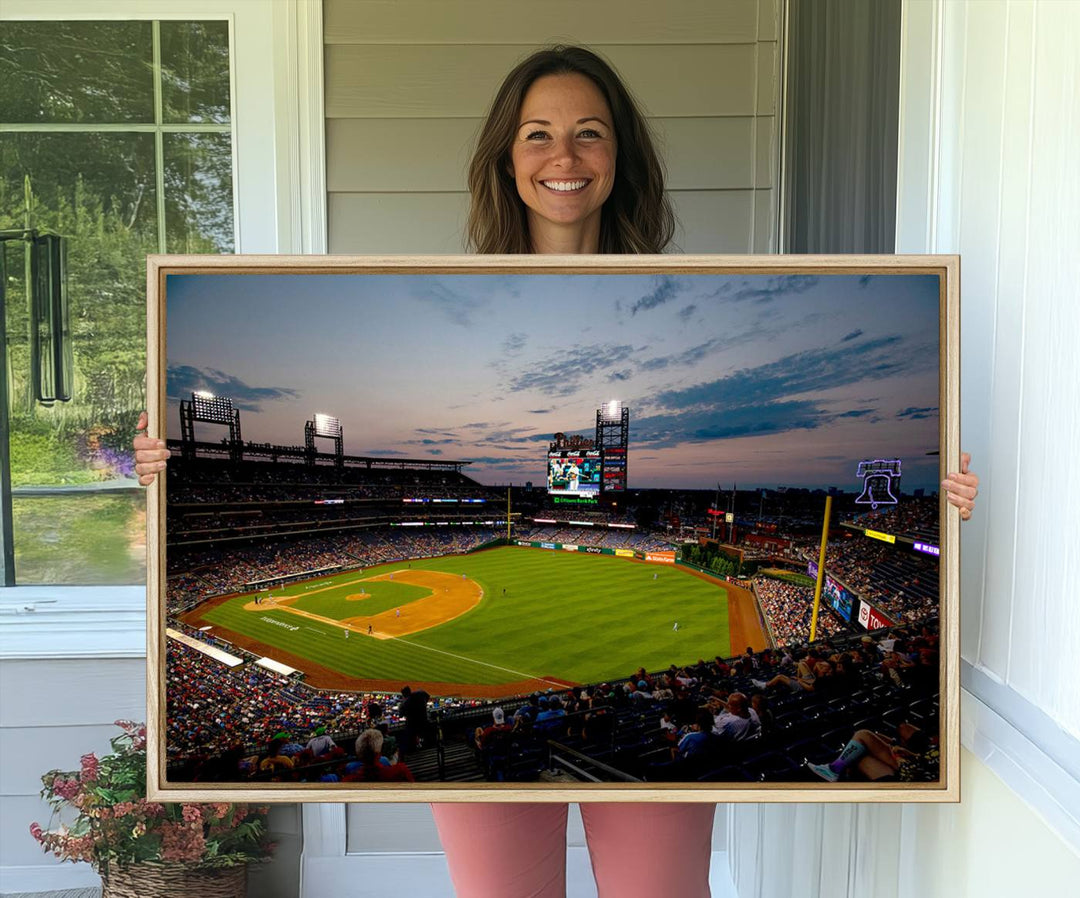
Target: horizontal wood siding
pixel 460 80
pixel 409 81
pixel 525 22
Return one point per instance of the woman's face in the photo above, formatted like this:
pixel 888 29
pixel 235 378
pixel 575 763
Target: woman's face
pixel 563 154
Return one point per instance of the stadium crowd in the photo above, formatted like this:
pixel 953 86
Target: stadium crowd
pixel 902 584
pixel 916 519
pixel 788 609
pixel 761 715
pixel 602 538
pixel 213 708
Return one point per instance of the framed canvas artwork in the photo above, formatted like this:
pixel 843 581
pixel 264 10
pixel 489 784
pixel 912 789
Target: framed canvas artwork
pixel 553 528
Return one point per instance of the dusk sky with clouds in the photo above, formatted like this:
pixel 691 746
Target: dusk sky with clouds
pixel 763 380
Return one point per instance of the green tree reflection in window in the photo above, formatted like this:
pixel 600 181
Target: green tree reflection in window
pixel 118 136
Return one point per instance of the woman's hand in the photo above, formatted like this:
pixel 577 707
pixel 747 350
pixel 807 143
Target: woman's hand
pixel 150 454
pixel 961 488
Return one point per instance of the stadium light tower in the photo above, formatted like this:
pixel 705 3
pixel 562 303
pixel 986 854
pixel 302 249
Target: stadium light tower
pixel 210 409
pixel 327 427
pixel 613 440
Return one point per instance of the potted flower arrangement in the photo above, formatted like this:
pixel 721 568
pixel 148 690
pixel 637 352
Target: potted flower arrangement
pixel 142 847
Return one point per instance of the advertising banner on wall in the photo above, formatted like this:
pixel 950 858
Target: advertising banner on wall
pixel 662 557
pixel 871 618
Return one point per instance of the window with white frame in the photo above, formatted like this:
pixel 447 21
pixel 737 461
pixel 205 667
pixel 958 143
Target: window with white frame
pixel 116 136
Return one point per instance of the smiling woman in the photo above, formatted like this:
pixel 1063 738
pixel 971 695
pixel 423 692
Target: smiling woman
pixel 560 118
pixel 563 162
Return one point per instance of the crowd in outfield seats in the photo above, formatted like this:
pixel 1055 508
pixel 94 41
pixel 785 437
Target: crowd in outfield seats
pixel 903 584
pixel 587 536
pixel 789 608
pixel 917 519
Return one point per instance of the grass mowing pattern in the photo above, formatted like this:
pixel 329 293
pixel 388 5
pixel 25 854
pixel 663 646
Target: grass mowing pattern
pixel 384 595
pixel 568 615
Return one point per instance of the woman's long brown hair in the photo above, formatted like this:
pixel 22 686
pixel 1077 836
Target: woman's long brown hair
pixel 637 216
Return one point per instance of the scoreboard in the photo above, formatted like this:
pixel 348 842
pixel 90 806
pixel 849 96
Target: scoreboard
pixel 574 472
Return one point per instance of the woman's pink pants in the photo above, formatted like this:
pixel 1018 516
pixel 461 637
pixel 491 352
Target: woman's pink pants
pixel 638 850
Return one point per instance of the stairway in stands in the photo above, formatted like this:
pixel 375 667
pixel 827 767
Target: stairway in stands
pixel 460 764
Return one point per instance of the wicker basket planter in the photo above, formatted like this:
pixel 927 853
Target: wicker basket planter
pixel 174 881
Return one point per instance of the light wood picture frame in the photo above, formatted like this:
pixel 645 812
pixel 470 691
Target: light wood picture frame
pixel 339 422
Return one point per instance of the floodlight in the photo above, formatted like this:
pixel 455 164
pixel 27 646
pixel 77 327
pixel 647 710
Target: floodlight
pixel 212 409
pixel 327 425
pixel 611 411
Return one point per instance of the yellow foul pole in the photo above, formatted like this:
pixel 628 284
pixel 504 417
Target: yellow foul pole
pixel 820 568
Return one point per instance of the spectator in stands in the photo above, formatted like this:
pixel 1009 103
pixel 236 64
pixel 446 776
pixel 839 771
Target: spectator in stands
pixel 881 759
pixel 496 730
pixel 376 720
pixel 291 747
pixel 414 708
pixel 798 684
pixel 695 741
pixel 275 761
pixel 759 702
pixel 321 747
pixel 366 767
pixel 552 714
pixel 641 692
pixel 735 720
pixel 531 709
pixel 393 769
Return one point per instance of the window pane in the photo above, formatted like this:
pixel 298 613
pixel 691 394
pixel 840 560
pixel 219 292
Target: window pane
pixel 198 193
pixel 76 72
pixel 195 71
pixel 98 191
pixel 81 539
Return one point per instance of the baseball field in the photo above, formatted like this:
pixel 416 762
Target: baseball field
pixel 496 622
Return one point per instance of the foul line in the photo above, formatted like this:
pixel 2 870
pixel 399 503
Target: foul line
pixel 518 673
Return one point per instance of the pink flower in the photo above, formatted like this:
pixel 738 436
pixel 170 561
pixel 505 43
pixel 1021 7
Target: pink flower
pixel 191 813
pixel 150 808
pixel 37 832
pixel 123 808
pixel 89 767
pixel 218 809
pixel 181 842
pixel 65 788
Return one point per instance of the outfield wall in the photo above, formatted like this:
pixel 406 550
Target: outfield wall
pixel 654 557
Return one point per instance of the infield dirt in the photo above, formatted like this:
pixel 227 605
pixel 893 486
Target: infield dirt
pixel 451 596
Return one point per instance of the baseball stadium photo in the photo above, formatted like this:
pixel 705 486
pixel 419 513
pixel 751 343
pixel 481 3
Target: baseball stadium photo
pixel 551 529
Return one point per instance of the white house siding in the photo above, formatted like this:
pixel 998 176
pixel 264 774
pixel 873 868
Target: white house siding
pixel 408 82
pixel 989 142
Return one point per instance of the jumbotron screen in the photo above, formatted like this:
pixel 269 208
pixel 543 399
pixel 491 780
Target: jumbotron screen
pixel 574 472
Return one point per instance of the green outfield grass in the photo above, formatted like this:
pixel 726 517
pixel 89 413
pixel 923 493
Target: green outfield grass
pixel 571 616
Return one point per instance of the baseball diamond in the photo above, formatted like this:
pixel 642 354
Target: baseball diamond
pixel 491 623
